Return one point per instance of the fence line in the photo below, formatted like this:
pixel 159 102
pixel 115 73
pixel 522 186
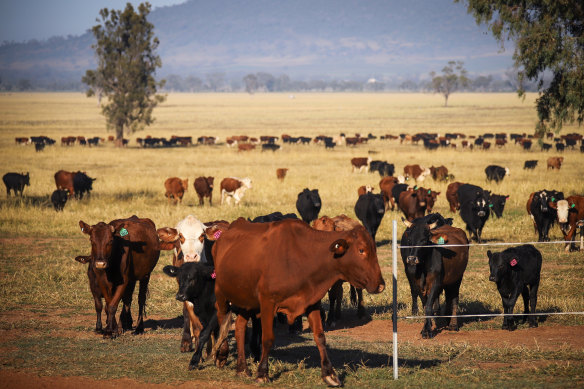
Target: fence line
pixel 493 315
pixel 489 244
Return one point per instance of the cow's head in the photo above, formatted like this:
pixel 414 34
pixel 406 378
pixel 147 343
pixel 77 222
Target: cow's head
pixel 431 197
pixel 185 184
pixel 356 256
pixel 563 208
pixel 187 240
pixel 324 223
pixel 497 204
pixel 210 181
pixel 26 179
pixel 192 278
pixel 246 182
pixel 102 237
pixel 480 205
pixel 419 233
pixel 312 196
pixel 507 172
pixel 500 265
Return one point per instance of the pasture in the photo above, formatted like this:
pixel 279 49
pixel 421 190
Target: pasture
pixel 46 310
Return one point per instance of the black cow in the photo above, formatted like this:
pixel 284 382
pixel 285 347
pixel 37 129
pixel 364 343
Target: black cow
pixel 16 182
pixel 39 146
pixel 308 204
pixel 497 204
pixel 430 270
pixel 370 209
pixel 530 164
pixel 541 207
pixel 560 147
pixel 546 146
pixel 469 192
pixel 396 191
pixel 82 184
pixel 59 199
pixel 496 173
pixel 475 214
pixel 270 146
pixel 273 217
pixel 386 169
pixel 196 286
pixel 516 271
pixel 329 143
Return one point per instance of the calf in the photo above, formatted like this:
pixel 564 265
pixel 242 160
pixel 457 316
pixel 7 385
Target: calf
pixel 59 199
pixel 496 173
pixel 541 207
pixel 123 252
pixel 204 188
pixel 370 209
pixel 270 146
pixel 452 196
pixel 497 204
pixel 16 182
pixel 196 286
pixel 570 211
pixel 416 172
pixel 555 162
pixel 308 204
pixel 516 271
pixel 281 173
pixel 360 164
pixel 175 189
pixel 430 270
pixel 235 188
pixel 439 173
pixel 531 164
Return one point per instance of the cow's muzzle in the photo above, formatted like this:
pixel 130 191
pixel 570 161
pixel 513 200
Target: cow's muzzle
pixel 100 264
pixel 181 297
pixel 492 278
pixel 412 260
pixel 481 213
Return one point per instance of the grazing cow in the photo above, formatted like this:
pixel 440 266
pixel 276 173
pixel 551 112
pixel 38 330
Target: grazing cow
pixel 281 173
pixel 384 168
pixel 452 196
pixel 416 172
pixel 39 147
pixel 560 147
pixel 196 286
pixel 204 188
pixel 16 182
pixel 555 162
pixel 497 204
pixel 329 143
pixel 541 208
pixel 82 184
pixel 439 173
pixel 270 146
pixel 570 211
pixel 496 173
pixel 531 164
pixel 360 164
pixel 335 293
pixel 385 186
pixel 235 188
pixel 245 147
pixel 308 204
pixel 123 252
pixel 364 189
pixel 22 140
pixel 370 209
pixel 546 146
pixel 474 212
pixel 175 189
pixel 516 271
pixel 286 267
pixel 430 270
pixel 59 199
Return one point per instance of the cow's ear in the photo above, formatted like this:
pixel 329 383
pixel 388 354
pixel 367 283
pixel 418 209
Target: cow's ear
pixel 489 254
pixel 170 270
pixel 83 258
pixel 212 233
pixel 439 238
pixel 339 247
pixel 85 228
pixel 167 234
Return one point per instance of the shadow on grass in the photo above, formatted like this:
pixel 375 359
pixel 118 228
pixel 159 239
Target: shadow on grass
pixel 26 201
pixel 128 195
pixel 176 322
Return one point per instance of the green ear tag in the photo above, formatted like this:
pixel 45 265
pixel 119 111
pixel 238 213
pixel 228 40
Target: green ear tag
pixel 490 205
pixel 416 187
pixel 430 191
pixel 573 206
pixel 553 199
pixel 123 232
pixel 441 240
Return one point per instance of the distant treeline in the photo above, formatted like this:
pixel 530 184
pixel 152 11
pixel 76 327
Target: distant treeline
pixel 263 82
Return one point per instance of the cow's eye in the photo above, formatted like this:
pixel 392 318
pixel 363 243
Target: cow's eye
pixel 361 251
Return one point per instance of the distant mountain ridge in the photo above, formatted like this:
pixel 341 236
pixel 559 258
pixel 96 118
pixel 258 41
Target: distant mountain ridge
pixel 317 38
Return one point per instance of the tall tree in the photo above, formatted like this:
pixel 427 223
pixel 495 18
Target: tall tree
pixel 452 79
pixel 549 38
pixel 127 61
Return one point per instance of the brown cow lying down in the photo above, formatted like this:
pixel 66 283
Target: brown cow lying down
pixel 286 266
pixel 123 251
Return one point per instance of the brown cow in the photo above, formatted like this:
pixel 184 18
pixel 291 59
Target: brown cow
pixel 204 188
pixel 555 162
pixel 122 252
pixel 439 173
pixel 452 196
pixel 570 211
pixel 175 188
pixel 245 147
pixel 364 189
pixel 385 186
pixel 360 163
pixel 413 203
pixel 67 180
pixel 416 172
pixel 287 267
pixel 335 293
pixel 281 173
pixel 234 187
pixel 22 140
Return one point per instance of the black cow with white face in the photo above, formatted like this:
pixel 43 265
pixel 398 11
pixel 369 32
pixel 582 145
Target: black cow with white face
pixel 516 271
pixel 308 204
pixel 475 214
pixel 370 209
pixel 196 286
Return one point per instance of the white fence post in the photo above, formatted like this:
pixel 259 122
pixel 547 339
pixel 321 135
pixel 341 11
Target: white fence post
pixel 394 315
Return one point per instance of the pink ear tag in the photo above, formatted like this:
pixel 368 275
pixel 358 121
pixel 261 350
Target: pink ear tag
pixel 513 262
pixel 213 275
pixel 217 234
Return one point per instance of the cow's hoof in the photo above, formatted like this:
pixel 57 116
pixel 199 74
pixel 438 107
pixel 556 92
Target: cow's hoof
pixel 427 334
pixel 452 328
pixel 220 362
pixel 138 331
pixel 263 380
pixel 533 324
pixel 186 347
pixel 244 373
pixel 332 380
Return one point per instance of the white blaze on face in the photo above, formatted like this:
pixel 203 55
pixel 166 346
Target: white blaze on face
pixel 192 248
pixel 563 210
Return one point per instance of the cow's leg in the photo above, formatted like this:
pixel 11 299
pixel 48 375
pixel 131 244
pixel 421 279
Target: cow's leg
pixel 240 327
pixel 112 325
pixel 126 314
pixel 335 295
pixel 205 335
pixel 221 350
pixel 451 293
pixel 533 303
pixel 361 312
pixel 508 305
pixel 267 316
pixel 98 308
pixel 570 238
pixel 195 326
pixel 211 199
pixel 434 290
pixel 255 342
pixel 186 343
pixel 200 200
pixel 142 293
pixel 314 320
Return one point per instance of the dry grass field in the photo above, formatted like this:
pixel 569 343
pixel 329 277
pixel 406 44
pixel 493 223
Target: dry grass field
pixel 46 309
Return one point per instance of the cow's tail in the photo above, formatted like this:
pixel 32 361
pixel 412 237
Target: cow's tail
pixel 223 332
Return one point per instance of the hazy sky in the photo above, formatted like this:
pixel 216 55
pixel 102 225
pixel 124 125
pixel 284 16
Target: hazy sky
pixel 21 20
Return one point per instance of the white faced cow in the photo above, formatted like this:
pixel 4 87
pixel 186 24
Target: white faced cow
pixel 187 239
